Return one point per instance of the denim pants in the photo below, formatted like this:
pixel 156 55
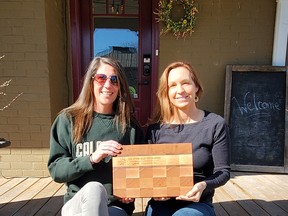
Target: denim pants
pixel 174 208
pixel 91 200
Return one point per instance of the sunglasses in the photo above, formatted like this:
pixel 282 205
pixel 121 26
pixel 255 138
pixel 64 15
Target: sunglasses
pixel 101 78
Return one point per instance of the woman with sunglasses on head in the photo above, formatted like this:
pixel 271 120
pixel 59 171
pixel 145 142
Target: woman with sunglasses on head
pixel 87 134
pixel 177 119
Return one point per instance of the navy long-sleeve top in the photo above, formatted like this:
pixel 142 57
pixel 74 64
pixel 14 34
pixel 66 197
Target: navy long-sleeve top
pixel 210 141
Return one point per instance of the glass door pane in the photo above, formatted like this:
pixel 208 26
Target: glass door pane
pixel 116 35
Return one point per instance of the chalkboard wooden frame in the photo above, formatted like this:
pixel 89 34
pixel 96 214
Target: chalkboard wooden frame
pixel 233 71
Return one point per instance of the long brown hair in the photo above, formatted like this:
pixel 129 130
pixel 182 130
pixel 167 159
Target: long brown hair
pixel 164 110
pixel 82 110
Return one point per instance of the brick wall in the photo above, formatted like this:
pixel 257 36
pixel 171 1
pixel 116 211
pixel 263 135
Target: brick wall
pixel 24 45
pixel 226 32
pixel 33 38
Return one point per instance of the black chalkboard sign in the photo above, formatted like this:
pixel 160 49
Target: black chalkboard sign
pixel 255 110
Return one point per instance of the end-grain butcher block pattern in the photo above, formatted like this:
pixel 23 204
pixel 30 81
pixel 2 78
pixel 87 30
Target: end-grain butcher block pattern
pixel 153 170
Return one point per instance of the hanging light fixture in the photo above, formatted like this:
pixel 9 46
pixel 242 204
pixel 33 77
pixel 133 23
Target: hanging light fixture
pixel 116 6
pixel 122 6
pixel 113 7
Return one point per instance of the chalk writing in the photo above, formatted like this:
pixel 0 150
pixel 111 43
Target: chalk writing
pixel 256 116
pixel 251 105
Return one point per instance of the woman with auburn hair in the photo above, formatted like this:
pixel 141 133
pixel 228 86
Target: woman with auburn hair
pixel 85 136
pixel 177 119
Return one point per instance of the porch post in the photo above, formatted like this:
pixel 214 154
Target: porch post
pixel 280 34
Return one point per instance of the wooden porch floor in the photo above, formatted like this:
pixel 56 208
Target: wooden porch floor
pixel 245 194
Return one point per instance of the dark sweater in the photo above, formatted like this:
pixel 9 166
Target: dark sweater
pixel 209 138
pixel 69 162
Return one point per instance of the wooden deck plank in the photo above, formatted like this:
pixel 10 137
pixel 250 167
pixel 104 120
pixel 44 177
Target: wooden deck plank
pixel 280 179
pixel 245 194
pixel 34 205
pixel 4 180
pixel 244 199
pixel 251 185
pixel 275 192
pixel 268 189
pixel 16 190
pixel 40 199
pixel 140 204
pixel 10 184
pixel 58 213
pixel 227 202
pixel 22 199
pixel 54 204
pixel 219 210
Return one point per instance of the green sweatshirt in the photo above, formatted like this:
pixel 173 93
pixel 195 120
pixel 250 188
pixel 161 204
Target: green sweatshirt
pixel 69 162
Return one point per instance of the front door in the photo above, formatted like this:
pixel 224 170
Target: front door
pixel 121 29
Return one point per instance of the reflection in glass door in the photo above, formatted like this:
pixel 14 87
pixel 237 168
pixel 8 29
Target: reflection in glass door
pixel 115 34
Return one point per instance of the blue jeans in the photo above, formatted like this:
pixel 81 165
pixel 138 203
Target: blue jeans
pixel 174 208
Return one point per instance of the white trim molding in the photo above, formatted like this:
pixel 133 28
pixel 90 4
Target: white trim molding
pixel 280 34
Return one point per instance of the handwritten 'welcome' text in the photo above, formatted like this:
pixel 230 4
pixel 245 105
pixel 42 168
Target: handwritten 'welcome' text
pixel 251 104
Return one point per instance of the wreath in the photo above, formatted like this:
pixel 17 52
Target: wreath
pixel 178 16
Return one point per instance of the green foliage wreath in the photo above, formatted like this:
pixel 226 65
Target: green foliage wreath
pixel 181 26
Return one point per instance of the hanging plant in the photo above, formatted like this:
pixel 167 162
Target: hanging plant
pixel 178 16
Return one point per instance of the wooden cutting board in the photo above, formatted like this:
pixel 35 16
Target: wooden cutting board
pixel 153 170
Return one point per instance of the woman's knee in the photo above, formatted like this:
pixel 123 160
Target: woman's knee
pixel 94 189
